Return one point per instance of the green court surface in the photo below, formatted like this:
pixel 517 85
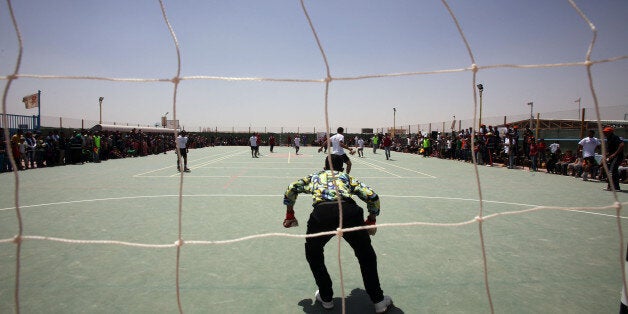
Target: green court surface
pixel 543 261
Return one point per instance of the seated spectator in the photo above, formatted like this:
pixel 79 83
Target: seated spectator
pixel 623 171
pixel 565 160
pixel 551 164
pixel 114 153
pixel 576 167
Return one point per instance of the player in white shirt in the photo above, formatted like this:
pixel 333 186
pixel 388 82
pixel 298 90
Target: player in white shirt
pixel 182 146
pixel 360 147
pixel 588 145
pixel 253 142
pixel 337 152
pixel 297 143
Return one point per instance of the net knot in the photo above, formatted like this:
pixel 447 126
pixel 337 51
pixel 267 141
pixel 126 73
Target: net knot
pixel 474 68
pixel 617 205
pixel 176 80
pixel 17 239
pixel 588 63
pixel 328 79
pixel 339 231
pixel 479 219
pixel 179 243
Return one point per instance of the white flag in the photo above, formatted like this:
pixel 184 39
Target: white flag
pixel 31 101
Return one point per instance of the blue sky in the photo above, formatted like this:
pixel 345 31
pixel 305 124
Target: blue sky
pixel 272 39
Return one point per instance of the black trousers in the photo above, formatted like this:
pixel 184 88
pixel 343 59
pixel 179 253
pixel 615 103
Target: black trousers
pixel 184 154
pixel 325 217
pixel 613 166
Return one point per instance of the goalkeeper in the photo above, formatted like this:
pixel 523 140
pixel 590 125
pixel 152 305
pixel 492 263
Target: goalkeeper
pixel 327 187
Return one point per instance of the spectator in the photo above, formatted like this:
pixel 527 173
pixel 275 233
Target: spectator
pixel 491 145
pixel 541 148
pixel 575 168
pixel 534 154
pixel 551 164
pixel 614 156
pixel 567 158
pixel 509 151
pixel 31 147
pixel 5 165
pixel 555 149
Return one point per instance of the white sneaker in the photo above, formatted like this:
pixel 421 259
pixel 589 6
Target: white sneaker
pixel 383 305
pixel 326 305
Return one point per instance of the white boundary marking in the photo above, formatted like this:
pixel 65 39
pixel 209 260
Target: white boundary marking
pixel 279 195
pixel 164 168
pixel 407 169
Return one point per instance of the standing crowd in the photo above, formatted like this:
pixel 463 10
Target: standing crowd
pixel 516 150
pixel 37 150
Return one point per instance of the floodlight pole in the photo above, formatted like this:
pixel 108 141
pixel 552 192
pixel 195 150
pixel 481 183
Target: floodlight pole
pixel 481 89
pixel 394 122
pixel 100 99
pixel 531 104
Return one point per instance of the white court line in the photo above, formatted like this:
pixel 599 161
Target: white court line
pixel 261 167
pixel 412 170
pixel 191 176
pixel 278 195
pixel 262 161
pixel 211 162
pixel 382 169
pixel 164 168
pixel 217 160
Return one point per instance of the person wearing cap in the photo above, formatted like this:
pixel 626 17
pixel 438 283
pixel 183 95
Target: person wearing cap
pixel 614 156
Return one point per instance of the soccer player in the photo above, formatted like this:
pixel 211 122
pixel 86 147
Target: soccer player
pixel 182 142
pixel 587 146
pixel 337 152
pixel 254 149
pixel 297 143
pixel 327 188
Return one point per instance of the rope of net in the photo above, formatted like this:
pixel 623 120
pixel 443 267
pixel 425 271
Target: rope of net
pixel 474 68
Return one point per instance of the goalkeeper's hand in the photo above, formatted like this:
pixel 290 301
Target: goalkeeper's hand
pixel 290 220
pixel 370 222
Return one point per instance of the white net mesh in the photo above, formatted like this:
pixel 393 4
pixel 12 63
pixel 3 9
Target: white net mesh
pixel 327 80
